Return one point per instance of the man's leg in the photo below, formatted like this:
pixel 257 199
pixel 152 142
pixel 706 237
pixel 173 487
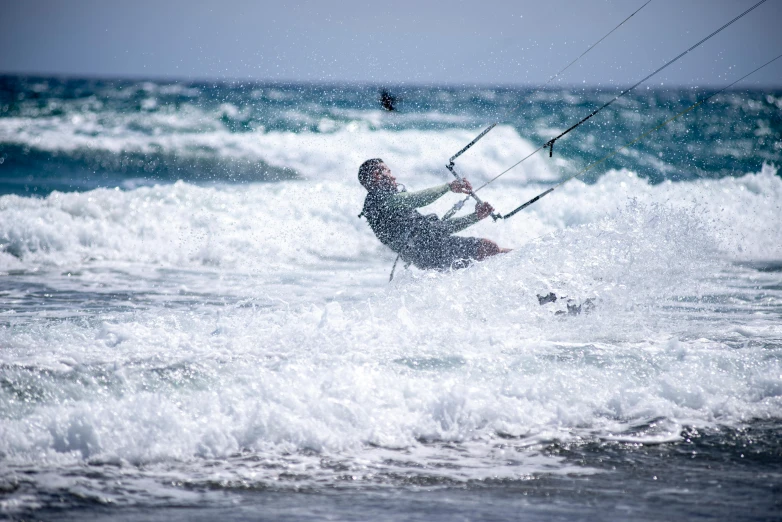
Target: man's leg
pixel 489 248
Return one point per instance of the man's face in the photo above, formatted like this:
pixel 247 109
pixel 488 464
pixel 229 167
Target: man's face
pixel 382 178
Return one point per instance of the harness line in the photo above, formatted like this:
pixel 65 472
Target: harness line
pixel 633 142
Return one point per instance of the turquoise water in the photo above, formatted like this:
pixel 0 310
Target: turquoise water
pixel 80 134
pixel 195 324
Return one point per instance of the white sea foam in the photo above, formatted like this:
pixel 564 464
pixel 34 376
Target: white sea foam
pixel 332 155
pixel 344 365
pixel 455 357
pixel 297 222
pixel 238 336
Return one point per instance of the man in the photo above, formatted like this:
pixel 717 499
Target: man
pixel 424 241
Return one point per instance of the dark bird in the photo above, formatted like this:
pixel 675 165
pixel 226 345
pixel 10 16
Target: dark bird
pixel 387 100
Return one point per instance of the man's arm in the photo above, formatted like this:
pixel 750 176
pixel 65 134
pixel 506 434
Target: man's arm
pixel 455 225
pixel 430 195
pixel 419 198
pixel 458 224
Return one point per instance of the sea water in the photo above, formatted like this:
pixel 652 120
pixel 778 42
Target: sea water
pixel 194 323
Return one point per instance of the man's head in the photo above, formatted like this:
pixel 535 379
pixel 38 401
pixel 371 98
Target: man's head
pixel 374 174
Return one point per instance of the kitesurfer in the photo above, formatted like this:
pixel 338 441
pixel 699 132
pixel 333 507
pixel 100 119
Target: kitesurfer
pixel 423 240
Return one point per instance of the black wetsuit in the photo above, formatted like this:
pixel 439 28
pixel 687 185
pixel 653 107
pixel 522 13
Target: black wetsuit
pixel 423 240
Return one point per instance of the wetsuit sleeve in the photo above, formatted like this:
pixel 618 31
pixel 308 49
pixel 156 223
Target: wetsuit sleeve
pixel 460 223
pixel 420 198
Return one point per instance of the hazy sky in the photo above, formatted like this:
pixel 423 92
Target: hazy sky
pixel 455 42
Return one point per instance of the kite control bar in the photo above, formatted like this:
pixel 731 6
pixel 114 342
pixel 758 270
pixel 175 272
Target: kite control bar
pixel 450 166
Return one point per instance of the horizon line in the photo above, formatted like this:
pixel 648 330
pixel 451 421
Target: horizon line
pixel 356 83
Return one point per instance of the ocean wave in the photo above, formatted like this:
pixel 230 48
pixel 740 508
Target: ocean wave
pixel 65 121
pixel 183 224
pixel 205 331
pixel 405 369
pixel 228 156
pixel 464 367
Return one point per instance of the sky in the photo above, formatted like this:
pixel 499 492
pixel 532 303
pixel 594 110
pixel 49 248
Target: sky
pixel 457 42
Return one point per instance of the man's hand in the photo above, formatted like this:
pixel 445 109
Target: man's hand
pixel 460 185
pixel 483 209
